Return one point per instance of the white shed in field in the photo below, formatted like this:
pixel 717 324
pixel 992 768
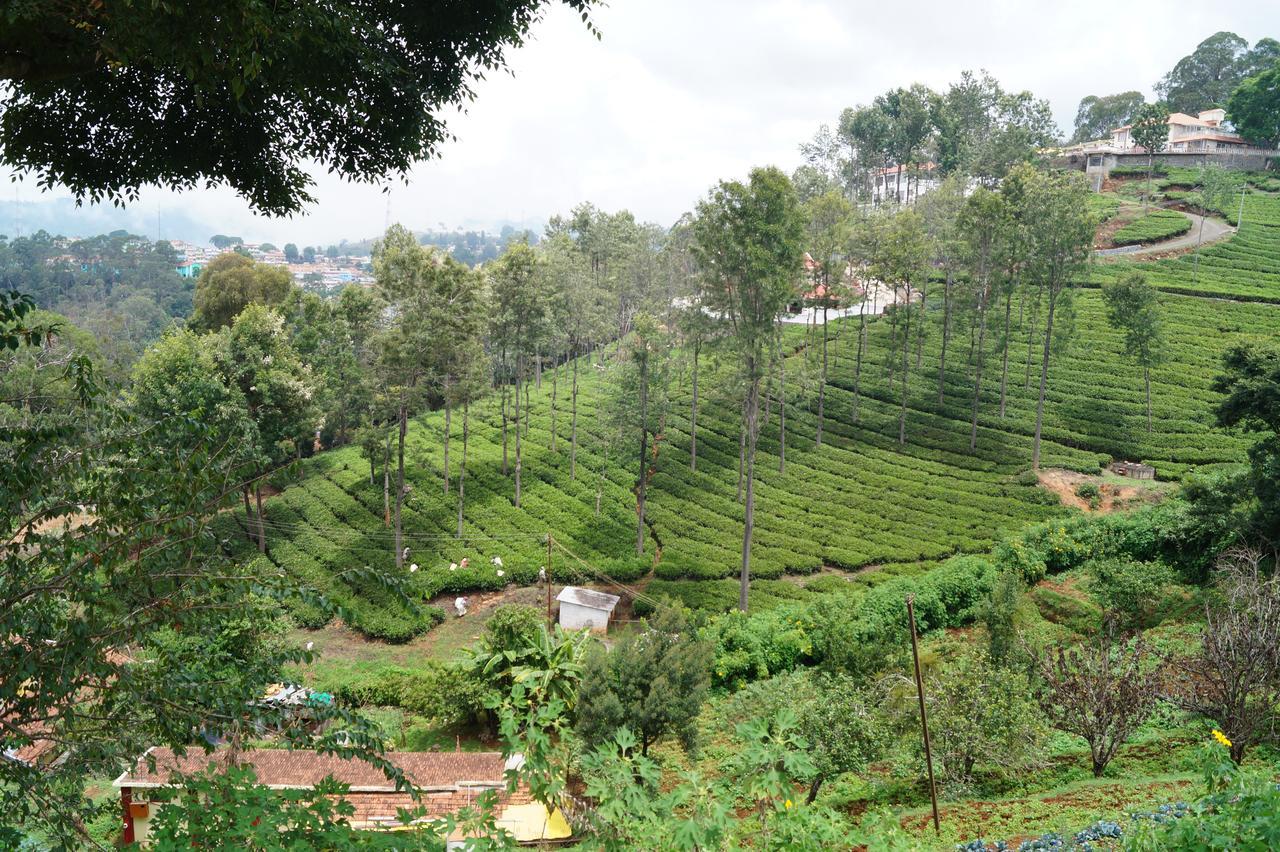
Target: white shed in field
pixel 585 608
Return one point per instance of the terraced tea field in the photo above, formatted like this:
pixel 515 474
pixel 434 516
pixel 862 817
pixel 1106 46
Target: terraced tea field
pixel 859 500
pixel 1245 267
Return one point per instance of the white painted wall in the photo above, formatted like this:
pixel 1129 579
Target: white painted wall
pixel 575 617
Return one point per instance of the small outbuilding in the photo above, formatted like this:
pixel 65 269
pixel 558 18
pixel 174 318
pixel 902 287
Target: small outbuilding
pixel 1133 470
pixel 581 608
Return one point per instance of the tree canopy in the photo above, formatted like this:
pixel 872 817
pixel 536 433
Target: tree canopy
pixel 107 97
pixel 1097 115
pixel 230 283
pixel 1254 107
pixel 1207 76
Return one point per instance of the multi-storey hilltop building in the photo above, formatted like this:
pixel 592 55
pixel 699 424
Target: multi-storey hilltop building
pixel 1203 132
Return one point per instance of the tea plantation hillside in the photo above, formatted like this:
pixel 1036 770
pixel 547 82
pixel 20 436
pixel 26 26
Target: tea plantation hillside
pixel 1245 267
pixel 861 499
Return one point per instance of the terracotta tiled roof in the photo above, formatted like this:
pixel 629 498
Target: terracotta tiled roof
pixel 285 768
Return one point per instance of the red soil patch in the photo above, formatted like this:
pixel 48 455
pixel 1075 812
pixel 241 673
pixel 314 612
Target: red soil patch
pixel 1065 482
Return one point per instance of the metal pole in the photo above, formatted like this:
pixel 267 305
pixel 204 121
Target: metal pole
pixel 924 719
pixel 549 624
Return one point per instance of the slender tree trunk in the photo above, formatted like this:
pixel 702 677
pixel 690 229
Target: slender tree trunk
pixel 1044 380
pixel 822 386
pixel 262 523
pixel 462 468
pixel 890 361
pixel 857 369
pixel 922 326
pixel 1035 315
pixel 906 351
pixel 782 412
pixel 973 340
pixel 399 503
pixel 555 389
pixel 741 459
pixel 977 376
pixel 814 786
pixel 504 429
pixel 1146 198
pixel 249 524
pixel 946 336
pixel 1195 263
pixel 1146 378
pixel 537 370
pixel 750 432
pixel 448 427
pixel 386 484
pixel 527 409
pixel 573 426
pixel 1004 358
pixel 519 377
pixel 644 452
pixel 693 411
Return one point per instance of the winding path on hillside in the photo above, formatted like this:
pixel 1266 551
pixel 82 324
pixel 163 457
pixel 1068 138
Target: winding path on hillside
pixel 1214 230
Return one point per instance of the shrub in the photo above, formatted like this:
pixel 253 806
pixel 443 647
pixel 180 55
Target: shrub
pixel 980 713
pixel 757 645
pixel 1128 592
pixel 1153 227
pixel 1076 615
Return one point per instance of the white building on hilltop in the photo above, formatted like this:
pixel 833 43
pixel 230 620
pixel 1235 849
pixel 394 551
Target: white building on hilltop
pixel 1205 131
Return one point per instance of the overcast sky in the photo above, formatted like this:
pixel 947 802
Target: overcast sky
pixel 681 93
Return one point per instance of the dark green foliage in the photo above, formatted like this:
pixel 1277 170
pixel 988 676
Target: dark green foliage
pixel 1252 385
pixel 230 283
pixel 1097 116
pixel 859 639
pixel 1208 75
pixel 1129 593
pixel 980 713
pixel 114 548
pixel 843 729
pixel 652 683
pixel 998 615
pixel 106 100
pixel 1151 228
pixel 445 693
pixel 122 288
pixel 1078 616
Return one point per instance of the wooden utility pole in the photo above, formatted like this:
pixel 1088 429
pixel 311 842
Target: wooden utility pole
pixel 924 719
pixel 547 572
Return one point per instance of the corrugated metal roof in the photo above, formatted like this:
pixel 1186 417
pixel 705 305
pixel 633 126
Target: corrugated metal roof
pixel 588 597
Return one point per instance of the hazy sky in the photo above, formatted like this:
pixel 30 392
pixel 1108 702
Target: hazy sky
pixel 681 93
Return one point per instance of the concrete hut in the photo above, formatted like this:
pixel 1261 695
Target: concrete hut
pixel 586 608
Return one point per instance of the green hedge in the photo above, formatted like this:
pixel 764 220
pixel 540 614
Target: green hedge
pixel 1153 227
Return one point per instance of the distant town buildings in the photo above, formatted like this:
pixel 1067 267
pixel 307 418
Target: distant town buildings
pixel 323 275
